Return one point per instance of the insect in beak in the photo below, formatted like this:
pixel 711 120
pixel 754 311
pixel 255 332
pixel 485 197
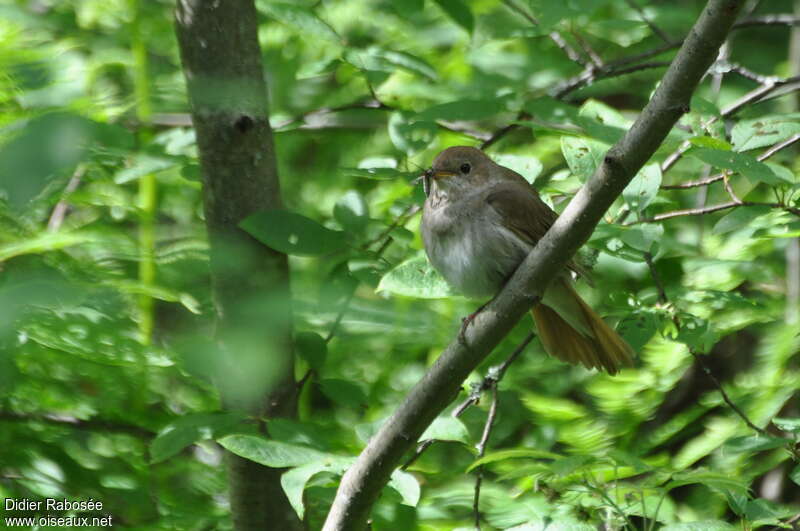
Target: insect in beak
pixel 426 181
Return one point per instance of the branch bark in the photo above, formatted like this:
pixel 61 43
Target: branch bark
pixel 363 482
pixel 254 364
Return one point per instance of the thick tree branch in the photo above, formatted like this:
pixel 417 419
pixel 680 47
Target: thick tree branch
pixel 363 482
pixel 254 366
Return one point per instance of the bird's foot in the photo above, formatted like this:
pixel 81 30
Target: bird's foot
pixel 466 321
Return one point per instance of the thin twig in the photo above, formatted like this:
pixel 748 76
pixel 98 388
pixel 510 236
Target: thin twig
pixel 701 211
pixel 725 397
pixel 653 27
pixel 493 376
pixel 481 446
pixel 662 297
pixel 768 20
pixel 555 36
pixel 753 96
pixel 60 210
pixel 718 177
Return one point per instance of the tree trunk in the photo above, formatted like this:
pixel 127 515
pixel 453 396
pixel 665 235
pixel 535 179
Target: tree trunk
pixel 254 366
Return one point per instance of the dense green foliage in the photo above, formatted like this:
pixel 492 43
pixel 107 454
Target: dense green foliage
pixel 106 395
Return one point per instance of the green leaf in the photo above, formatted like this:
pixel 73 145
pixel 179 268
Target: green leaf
pixel 377 59
pixel 447 428
pixel 700 525
pixel 794 475
pixel 710 142
pixel 761 509
pixel 583 155
pixel 517 453
pixel 351 212
pixel 755 443
pixel 292 233
pixel 189 429
pixel 144 164
pixel 739 218
pixel 528 167
pixel 641 191
pixel 274 454
pixel 743 163
pixel 294 481
pixel 344 392
pixel 379 174
pixel 406 485
pixel 642 236
pixel 469 110
pixel 415 278
pixel 299 17
pixel 787 425
pixel 409 134
pixel 43 148
pixel 701 476
pixel 704 106
pixel 459 11
pixel 764 131
pixel 311 347
pixel 43 243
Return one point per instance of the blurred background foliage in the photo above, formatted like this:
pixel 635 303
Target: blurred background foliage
pixel 106 320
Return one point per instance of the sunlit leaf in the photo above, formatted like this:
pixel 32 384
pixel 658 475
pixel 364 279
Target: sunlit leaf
pixel 415 278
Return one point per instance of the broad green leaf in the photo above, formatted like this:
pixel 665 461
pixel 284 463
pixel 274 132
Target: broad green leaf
pixel 407 486
pixel 312 348
pixel 700 525
pixel 704 106
pixel 415 278
pixel 344 392
pixel 299 17
pixel 583 155
pixel 377 59
pixel 528 167
pixel 379 174
pixel 764 131
pixel 761 509
pixel 409 134
pixel 794 475
pixel 554 408
pixel 145 164
pixel 447 428
pixel 43 243
pixel 641 191
pixel 294 481
pixel 189 429
pixel 517 453
pixel 743 163
pixel 739 218
pixel 162 293
pixel 459 11
pixel 564 466
pixel 710 142
pixel 274 454
pixel 701 476
pixel 351 212
pixel 755 443
pixel 787 425
pixel 469 110
pixel 292 233
pixel 642 236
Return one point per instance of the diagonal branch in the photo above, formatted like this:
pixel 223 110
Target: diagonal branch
pixel 364 481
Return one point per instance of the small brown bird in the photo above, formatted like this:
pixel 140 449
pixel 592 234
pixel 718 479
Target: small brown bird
pixel 479 222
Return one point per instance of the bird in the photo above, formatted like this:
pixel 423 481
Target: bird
pixel 479 222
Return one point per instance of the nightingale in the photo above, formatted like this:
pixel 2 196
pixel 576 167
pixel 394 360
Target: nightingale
pixel 479 222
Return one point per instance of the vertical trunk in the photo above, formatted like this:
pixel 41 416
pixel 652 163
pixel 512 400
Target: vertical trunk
pixel 228 97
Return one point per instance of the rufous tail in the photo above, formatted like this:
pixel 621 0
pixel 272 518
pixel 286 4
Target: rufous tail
pixel 605 350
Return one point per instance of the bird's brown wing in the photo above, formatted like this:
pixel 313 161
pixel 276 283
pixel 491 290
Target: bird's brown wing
pixel 524 213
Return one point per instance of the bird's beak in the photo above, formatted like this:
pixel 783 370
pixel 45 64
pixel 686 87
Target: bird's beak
pixel 438 174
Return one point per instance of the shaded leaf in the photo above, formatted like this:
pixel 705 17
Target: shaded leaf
pixel 459 11
pixel 312 348
pixel 583 155
pixel 406 485
pixel 292 233
pixel 764 131
pixel 274 454
pixel 300 17
pixel 189 429
pixel 743 163
pixel 409 134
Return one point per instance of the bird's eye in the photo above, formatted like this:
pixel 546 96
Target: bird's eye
pixel 465 168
